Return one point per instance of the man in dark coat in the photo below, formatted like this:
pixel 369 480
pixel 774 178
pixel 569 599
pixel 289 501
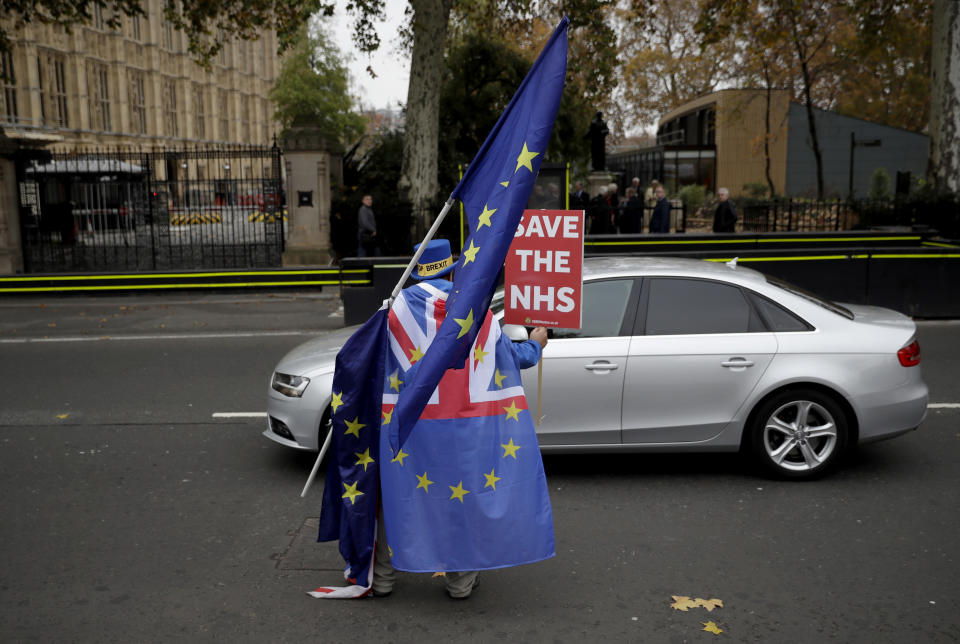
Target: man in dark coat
pixel 631 222
pixel 725 218
pixel 660 220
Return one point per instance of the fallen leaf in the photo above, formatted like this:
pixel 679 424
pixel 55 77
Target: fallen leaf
pixel 709 604
pixel 52 324
pixel 710 627
pixel 682 603
pixel 163 326
pixel 62 416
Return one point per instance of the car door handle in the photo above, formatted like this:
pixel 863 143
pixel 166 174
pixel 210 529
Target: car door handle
pixel 601 366
pixel 736 362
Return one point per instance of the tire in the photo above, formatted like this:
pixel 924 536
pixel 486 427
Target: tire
pixel 799 434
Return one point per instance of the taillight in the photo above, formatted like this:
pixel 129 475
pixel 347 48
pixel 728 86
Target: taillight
pixel 910 355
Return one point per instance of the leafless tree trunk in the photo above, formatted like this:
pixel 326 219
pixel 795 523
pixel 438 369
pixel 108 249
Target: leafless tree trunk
pixel 944 165
pixel 766 131
pixel 418 172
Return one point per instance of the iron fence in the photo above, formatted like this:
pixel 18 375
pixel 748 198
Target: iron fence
pixel 135 210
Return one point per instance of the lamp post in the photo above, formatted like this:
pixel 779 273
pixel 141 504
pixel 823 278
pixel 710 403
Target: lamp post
pixel 854 143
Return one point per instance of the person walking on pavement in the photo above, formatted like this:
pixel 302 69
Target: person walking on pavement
pixel 368 244
pixel 660 220
pixel 725 218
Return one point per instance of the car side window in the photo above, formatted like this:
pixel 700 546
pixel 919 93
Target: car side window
pixel 604 305
pixel 778 318
pixel 679 306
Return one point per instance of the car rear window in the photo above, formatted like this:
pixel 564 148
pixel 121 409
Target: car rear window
pixel 777 318
pixel 810 297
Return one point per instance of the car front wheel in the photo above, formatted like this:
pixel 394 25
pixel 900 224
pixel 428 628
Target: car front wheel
pixel 799 434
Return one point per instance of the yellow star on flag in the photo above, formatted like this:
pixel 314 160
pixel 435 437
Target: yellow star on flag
pixel 337 401
pixel 458 492
pixel 395 381
pixel 526 156
pixel 387 415
pixel 354 427
pixel 499 378
pixel 351 492
pixel 491 479
pixel 424 483
pixel 470 253
pixel 510 449
pixel 415 354
pixel 484 219
pixel 364 459
pixel 399 457
pixel 505 184
pixel 479 354
pixel 512 411
pixel 465 324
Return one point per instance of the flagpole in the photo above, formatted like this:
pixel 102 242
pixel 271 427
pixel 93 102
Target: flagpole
pixel 316 466
pixel 540 390
pixel 423 247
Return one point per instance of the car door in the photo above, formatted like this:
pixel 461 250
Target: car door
pixel 698 352
pixel 583 370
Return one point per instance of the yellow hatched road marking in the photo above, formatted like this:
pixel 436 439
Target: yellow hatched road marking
pixel 117 287
pixel 328 271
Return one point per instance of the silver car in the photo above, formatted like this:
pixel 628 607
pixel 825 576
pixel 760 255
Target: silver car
pixel 682 354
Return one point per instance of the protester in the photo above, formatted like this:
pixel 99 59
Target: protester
pixel 367 242
pixel 412 524
pixel 660 220
pixel 725 218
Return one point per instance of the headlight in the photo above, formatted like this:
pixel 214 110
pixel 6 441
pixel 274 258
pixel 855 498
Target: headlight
pixel 288 385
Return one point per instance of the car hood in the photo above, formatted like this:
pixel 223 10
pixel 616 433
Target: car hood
pixel 316 355
pixel 880 315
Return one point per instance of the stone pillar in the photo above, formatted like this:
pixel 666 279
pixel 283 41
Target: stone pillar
pixel 597 180
pixel 312 163
pixel 11 252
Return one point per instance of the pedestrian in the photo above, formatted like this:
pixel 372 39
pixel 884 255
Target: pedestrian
pixel 725 218
pixel 650 196
pixel 613 208
pixel 367 242
pixel 660 220
pixel 631 222
pixel 579 199
pixel 598 213
pixel 421 525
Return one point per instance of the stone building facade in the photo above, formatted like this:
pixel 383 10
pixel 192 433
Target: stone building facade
pixel 135 86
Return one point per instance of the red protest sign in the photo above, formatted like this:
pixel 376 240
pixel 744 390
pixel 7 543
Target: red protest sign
pixel 544 270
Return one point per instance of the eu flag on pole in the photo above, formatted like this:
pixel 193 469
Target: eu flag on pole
pixel 494 192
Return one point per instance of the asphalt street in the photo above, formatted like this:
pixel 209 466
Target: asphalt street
pixel 130 513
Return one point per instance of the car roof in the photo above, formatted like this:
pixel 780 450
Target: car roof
pixel 600 267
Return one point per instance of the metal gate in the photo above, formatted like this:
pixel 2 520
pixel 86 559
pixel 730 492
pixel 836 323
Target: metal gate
pixel 162 209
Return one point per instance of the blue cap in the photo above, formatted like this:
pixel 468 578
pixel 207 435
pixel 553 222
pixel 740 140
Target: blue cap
pixel 437 260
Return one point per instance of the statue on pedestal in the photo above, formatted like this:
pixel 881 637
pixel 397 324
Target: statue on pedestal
pixel 598 136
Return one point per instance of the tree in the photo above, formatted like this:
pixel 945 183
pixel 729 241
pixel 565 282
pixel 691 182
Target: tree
pixel 312 89
pixel 208 24
pixel 944 168
pixel 667 63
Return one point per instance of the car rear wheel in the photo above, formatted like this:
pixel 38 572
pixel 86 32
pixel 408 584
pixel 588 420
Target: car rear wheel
pixel 799 434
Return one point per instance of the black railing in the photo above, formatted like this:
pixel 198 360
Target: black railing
pixel 121 210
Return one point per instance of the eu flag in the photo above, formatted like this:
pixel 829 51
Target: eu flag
pixel 494 191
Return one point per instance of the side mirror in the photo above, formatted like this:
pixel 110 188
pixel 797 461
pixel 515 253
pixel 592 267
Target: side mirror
pixel 516 332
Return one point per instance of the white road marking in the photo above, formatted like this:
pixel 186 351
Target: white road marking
pixel 240 414
pixel 943 406
pixel 166 336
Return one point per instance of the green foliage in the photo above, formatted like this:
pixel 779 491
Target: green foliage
pixel 312 90
pixel 756 190
pixel 879 184
pixel 693 197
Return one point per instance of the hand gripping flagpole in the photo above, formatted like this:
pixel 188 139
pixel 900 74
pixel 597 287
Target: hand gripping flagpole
pixel 393 296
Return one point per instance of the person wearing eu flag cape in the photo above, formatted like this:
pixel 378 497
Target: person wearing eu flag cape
pixel 430 426
pixel 471 468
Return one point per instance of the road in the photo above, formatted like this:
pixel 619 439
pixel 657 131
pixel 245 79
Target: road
pixel 130 514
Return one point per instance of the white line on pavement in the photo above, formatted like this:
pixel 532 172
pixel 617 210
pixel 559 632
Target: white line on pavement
pixel 240 414
pixel 943 406
pixel 166 336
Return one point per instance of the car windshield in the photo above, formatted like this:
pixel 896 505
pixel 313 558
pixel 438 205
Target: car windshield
pixel 811 297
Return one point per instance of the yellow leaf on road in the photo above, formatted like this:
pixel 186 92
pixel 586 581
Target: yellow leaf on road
pixel 710 604
pixel 62 416
pixel 710 627
pixel 682 603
